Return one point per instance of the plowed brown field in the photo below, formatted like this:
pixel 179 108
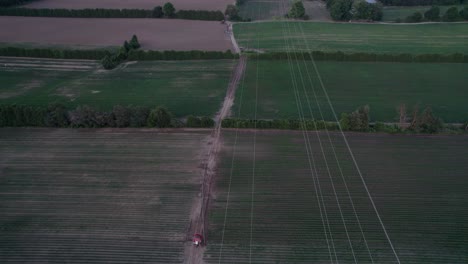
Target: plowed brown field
pixel 153 34
pixel 139 4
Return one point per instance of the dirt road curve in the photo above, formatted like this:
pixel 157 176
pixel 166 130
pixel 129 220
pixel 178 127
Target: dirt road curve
pixel 153 34
pixel 199 214
pixel 138 4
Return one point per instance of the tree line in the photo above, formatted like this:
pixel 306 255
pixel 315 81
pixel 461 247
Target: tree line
pixel 433 14
pixel 359 121
pixel 421 2
pixel 57 115
pixel 365 57
pixel 157 12
pixel 345 10
pixel 180 55
pixel 8 3
pixel 99 54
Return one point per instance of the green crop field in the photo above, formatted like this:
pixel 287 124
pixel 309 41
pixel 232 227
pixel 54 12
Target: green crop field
pixel 355 37
pixel 285 210
pixel 100 196
pixel 261 10
pixel 383 86
pixel 185 87
pixel 392 13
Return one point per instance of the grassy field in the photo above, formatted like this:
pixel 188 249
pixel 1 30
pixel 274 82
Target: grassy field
pixel 261 10
pixel 96 195
pixel 382 86
pixel 347 37
pixel 392 13
pixel 417 183
pixel 185 87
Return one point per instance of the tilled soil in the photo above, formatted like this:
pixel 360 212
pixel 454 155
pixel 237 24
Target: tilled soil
pixel 153 34
pixel 138 4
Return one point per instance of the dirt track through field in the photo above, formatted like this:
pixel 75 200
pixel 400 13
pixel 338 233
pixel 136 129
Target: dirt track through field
pixel 199 213
pixel 138 4
pixel 153 34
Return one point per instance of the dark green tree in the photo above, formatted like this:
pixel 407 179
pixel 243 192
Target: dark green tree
pixel 464 13
pixel 57 116
pixel 341 10
pixel 414 18
pixel 232 12
pixel 169 10
pixel 451 15
pixel 134 44
pixel 157 12
pixel 297 10
pixel 159 117
pixel 432 14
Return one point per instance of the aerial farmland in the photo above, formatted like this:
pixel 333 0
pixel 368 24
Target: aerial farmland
pixel 248 131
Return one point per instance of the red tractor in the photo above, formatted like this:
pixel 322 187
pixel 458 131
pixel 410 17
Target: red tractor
pixel 197 239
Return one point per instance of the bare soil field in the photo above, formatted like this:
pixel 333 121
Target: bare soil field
pixel 136 4
pixel 153 34
pixel 97 196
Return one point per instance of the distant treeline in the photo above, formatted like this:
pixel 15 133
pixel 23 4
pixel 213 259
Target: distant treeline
pixel 8 3
pixel 57 115
pixel 421 2
pixel 290 124
pixel 112 13
pixel 180 55
pixel 101 53
pixel 358 120
pixel 365 57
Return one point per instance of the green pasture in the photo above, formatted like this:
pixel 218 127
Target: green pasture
pixel 185 87
pixel 383 86
pixel 354 37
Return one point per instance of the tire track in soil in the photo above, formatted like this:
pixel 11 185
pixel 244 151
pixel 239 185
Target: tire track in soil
pixel 200 207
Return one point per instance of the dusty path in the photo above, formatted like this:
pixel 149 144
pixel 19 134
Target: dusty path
pixel 199 214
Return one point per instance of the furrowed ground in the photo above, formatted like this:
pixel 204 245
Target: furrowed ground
pixel 184 87
pixel 125 4
pixel 349 37
pixel 417 183
pixel 384 86
pixel 274 9
pixel 153 34
pixel 97 196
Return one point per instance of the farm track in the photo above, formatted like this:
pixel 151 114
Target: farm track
pixel 199 217
pixel 100 196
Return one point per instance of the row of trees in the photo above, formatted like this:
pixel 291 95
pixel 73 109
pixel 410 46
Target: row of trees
pixel 180 55
pixel 358 120
pixel 57 115
pixel 292 124
pixel 99 54
pixel 345 10
pixel 167 11
pixel 421 2
pixel 433 14
pixel 8 3
pixel 368 57
pixel 420 122
pixel 110 61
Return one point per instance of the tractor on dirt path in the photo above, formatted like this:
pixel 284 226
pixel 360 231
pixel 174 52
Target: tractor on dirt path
pixel 197 239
